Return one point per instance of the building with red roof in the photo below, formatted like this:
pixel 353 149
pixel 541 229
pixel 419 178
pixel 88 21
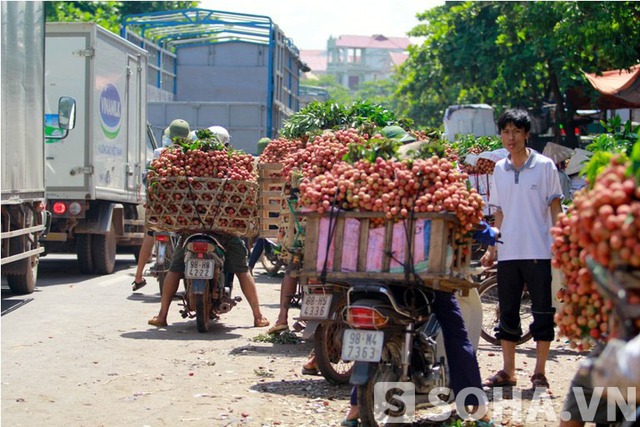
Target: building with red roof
pixel 358 59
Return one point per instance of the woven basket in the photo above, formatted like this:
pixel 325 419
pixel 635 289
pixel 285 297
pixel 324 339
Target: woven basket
pixel 202 204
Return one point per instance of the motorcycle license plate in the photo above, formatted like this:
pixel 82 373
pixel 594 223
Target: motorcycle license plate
pixel 362 345
pixel 199 269
pixel 315 306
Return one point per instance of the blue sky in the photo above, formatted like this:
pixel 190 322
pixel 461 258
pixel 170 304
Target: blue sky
pixel 310 24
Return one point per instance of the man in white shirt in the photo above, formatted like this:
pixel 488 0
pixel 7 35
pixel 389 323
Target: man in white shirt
pixel 526 196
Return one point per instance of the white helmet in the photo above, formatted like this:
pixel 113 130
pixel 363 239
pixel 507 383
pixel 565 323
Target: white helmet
pixel 221 133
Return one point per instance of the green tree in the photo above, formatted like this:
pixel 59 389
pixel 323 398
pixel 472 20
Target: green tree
pixel 337 92
pixel 515 53
pixel 378 92
pixel 107 14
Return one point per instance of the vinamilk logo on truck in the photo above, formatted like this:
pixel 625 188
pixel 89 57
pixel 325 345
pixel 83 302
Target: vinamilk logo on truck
pixel 110 111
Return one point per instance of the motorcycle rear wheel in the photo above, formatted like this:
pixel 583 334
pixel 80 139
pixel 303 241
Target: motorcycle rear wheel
pixel 203 310
pixel 387 370
pixel 328 349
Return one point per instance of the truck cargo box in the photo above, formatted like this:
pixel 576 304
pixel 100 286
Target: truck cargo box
pixel 211 67
pixel 105 157
pixel 22 101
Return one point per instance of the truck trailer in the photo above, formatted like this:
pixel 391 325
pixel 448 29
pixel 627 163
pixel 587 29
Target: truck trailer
pixel 221 68
pixel 24 218
pixel 94 177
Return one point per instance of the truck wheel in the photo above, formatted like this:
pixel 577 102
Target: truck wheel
pixel 83 252
pixel 104 251
pixel 22 284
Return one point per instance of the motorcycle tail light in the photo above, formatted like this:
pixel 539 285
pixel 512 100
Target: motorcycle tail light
pixel 366 318
pixel 59 208
pixel 75 208
pixel 200 247
pixel 162 237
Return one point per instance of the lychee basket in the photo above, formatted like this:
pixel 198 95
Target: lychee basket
pixel 180 204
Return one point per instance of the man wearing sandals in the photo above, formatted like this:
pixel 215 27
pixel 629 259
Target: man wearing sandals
pixel 235 262
pixel 177 129
pixel 526 195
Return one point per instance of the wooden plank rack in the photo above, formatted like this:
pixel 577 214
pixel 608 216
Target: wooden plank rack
pixel 345 245
pixel 272 200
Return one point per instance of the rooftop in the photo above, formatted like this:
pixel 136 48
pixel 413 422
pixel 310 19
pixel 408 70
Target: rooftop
pixel 376 41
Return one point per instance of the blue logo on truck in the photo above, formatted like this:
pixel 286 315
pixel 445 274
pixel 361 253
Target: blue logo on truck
pixel 110 111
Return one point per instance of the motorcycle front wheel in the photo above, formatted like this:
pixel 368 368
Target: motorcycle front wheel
pixel 372 413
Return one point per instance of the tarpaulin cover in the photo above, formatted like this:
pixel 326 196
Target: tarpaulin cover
pixel 620 88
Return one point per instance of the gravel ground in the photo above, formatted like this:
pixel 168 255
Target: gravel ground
pixel 82 354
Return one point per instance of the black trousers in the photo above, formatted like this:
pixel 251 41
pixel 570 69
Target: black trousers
pixel 512 276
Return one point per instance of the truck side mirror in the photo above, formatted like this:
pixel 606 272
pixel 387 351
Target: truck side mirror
pixel 66 112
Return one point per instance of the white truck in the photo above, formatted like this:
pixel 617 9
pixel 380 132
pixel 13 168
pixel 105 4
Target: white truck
pixel 94 177
pixel 23 190
pixel 469 119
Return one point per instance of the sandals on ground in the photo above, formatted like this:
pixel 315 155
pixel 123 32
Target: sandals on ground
pixel 310 370
pixel 155 322
pixel 261 323
pixel 499 379
pixel 137 285
pixel 349 423
pixel 277 328
pixel 539 381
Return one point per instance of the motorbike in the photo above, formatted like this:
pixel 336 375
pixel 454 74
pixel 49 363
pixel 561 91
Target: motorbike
pixel 207 292
pixel 164 242
pixel 392 338
pixel 323 313
pixel 270 259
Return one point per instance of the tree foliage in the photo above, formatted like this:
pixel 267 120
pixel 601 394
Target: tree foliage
pixel 514 54
pixel 336 91
pixel 107 14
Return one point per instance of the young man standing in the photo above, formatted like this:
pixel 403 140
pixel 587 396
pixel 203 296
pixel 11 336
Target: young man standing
pixel 526 194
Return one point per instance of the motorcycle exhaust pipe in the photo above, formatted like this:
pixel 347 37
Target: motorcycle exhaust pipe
pixel 226 305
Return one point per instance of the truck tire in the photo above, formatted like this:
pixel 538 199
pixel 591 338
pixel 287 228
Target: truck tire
pixel 22 284
pixel 103 251
pixel 83 252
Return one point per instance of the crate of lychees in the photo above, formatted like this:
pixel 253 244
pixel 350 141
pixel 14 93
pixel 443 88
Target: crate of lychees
pixel 202 186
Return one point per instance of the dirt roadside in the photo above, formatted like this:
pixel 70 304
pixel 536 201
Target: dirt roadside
pixel 84 356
